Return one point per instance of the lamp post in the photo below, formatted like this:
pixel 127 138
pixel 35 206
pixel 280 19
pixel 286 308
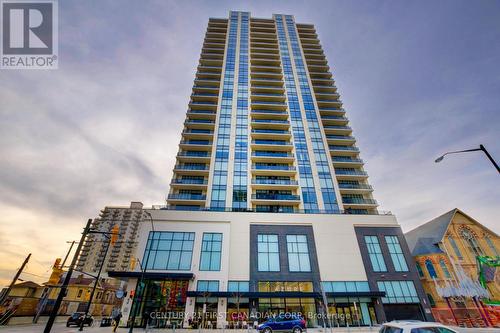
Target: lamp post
pixel 141 278
pixel 481 148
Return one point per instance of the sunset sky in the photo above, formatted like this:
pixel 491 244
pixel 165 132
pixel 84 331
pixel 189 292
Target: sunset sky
pixel 417 78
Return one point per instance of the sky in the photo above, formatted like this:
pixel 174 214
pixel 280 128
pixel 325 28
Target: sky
pixel 417 78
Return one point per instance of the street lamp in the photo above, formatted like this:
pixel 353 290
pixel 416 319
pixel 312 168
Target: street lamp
pixel 481 148
pixel 143 272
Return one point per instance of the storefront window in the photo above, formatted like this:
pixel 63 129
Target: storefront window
pixel 398 291
pixel 278 286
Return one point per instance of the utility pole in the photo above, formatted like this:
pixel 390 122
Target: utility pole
pixel 64 286
pixel 16 277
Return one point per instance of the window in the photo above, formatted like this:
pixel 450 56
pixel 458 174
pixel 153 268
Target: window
pixel 238 286
pixel 455 247
pixel 211 248
pixel 375 253
pixel 298 253
pixel 397 256
pixel 398 291
pixel 345 286
pixel 207 285
pixel 167 250
pixel 277 286
pixel 471 241
pixel 431 300
pixel 492 246
pixel 430 268
pixel 268 253
pixel 445 270
pixel 419 270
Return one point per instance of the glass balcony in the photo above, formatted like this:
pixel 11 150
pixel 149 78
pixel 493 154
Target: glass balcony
pixel 350 172
pixel 271 142
pixel 342 159
pixel 199 121
pixel 273 121
pixel 347 148
pixel 261 153
pixel 273 167
pixel 269 102
pixel 187 196
pixel 273 196
pixel 270 131
pixel 190 181
pixel 340 137
pixel 196 142
pixel 191 167
pixel 334 117
pixel 360 201
pixel 337 127
pixel 355 186
pixel 274 182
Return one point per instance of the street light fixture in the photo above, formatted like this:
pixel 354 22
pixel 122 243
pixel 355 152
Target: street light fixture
pixel 481 148
pixel 141 278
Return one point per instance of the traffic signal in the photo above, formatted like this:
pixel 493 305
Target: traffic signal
pixel 114 234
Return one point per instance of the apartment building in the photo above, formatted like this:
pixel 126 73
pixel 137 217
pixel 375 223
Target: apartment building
pixel 269 208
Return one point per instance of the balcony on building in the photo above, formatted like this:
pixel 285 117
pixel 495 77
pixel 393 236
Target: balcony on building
pixel 327 88
pixel 191 169
pixel 354 187
pixel 331 111
pixel 211 82
pixel 350 173
pixel 269 123
pixel 262 81
pixel 214 89
pixel 266 133
pixel 272 156
pixel 274 197
pixel 360 203
pixel 334 120
pixel 197 134
pixel 210 64
pixel 274 183
pixel 194 156
pixel 343 150
pixel 196 144
pixel 263 59
pixel 342 139
pixel 346 161
pixel 267 89
pixel 186 198
pixel 266 144
pixel 199 103
pixel 329 103
pixel 199 123
pixel 273 169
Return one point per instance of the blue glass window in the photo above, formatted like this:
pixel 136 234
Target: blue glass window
pixel 455 247
pixel 169 250
pixel 398 291
pixel 268 256
pixel 444 268
pixel 345 286
pixel 430 268
pixel 397 256
pixel 207 285
pixel 211 249
pixel 375 254
pixel 298 253
pixel 238 286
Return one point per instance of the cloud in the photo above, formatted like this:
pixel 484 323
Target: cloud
pixel 104 128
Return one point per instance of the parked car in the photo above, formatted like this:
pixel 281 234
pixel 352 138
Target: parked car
pixel 414 326
pixel 283 323
pixel 77 317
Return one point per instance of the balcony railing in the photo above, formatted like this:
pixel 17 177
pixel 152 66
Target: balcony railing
pixel 339 127
pixel 273 167
pixel 349 148
pixel 334 117
pixel 202 111
pixel 270 196
pixel 190 181
pixel 270 121
pixel 187 196
pixel 191 167
pixel 272 142
pixel 361 201
pixel 355 186
pixel 268 102
pixel 260 153
pixel 196 142
pixel 203 103
pixel 201 121
pixel 350 172
pixel 270 131
pixel 340 137
pixel 266 94
pixel 347 160
pixel 274 182
pixel 269 111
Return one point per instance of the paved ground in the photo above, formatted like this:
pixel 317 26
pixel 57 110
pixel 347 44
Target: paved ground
pixel 61 328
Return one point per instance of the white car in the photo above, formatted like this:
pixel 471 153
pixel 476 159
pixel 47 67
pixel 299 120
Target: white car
pixel 414 326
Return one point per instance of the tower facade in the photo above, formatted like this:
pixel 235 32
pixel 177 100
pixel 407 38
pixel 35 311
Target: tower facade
pixel 265 128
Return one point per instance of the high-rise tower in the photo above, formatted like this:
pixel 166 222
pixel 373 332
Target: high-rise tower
pixel 265 128
pixel 269 208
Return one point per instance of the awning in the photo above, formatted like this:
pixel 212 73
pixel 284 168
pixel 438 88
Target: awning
pixel 151 275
